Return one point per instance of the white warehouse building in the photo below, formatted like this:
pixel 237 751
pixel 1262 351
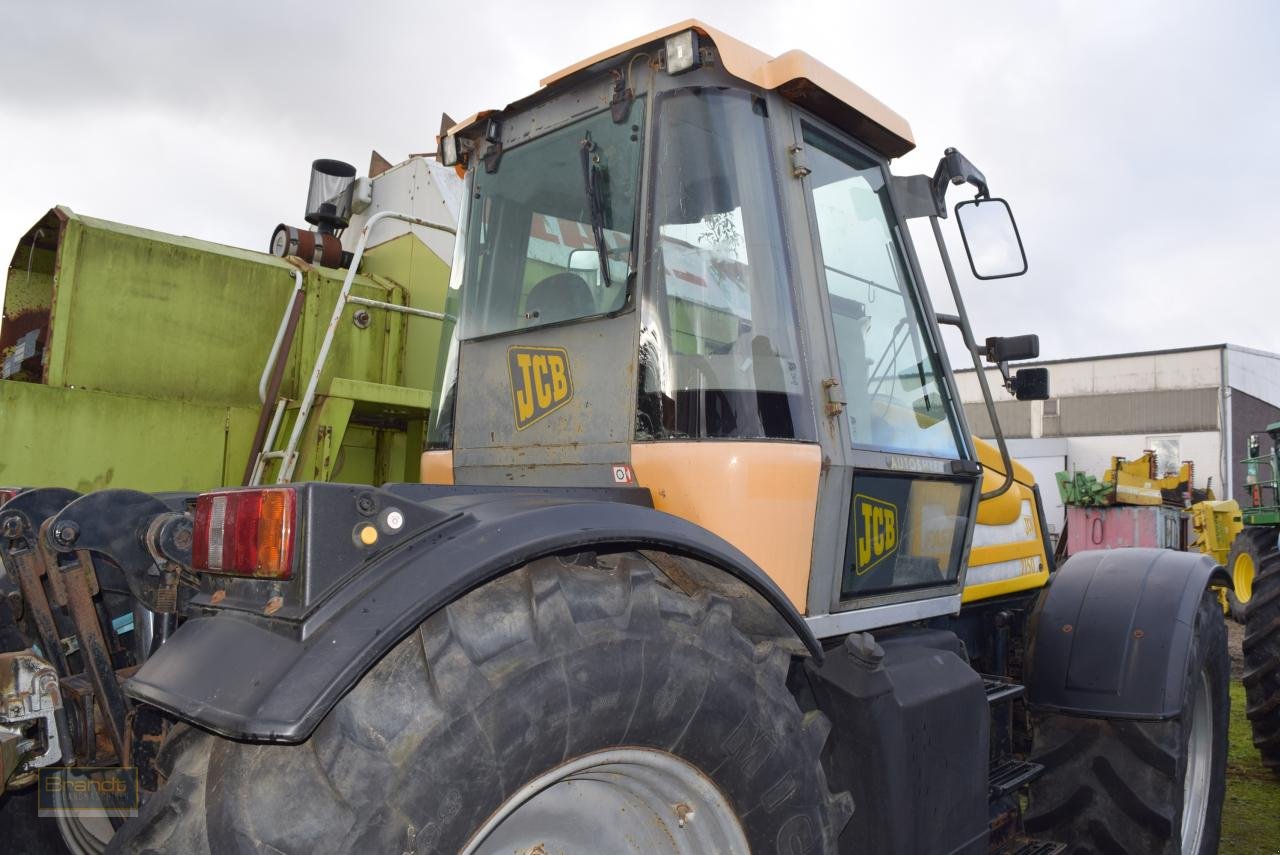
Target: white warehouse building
pixel 1198 404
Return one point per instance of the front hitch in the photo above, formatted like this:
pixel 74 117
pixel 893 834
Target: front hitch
pixel 32 726
pixel 57 544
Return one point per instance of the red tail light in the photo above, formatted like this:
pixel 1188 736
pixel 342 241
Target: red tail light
pixel 7 493
pixel 245 532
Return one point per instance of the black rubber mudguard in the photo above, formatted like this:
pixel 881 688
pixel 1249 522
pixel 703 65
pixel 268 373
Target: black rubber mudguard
pixel 253 678
pixel 1113 631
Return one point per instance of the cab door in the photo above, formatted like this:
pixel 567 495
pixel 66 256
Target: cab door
pixel 898 525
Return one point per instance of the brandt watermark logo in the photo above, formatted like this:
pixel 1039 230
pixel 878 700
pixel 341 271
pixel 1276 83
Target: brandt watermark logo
pixel 88 791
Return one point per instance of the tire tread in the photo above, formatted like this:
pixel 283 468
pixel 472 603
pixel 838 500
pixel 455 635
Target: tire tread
pixel 455 681
pixel 1262 650
pixel 1114 786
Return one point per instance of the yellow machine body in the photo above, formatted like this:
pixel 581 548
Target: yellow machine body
pixel 1216 524
pixel 1008 551
pixel 1136 482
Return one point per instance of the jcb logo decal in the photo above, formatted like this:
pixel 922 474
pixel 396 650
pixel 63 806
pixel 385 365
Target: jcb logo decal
pixel 540 382
pixel 876 529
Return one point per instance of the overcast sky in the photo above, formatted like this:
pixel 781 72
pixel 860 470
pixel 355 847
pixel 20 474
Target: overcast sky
pixel 1136 141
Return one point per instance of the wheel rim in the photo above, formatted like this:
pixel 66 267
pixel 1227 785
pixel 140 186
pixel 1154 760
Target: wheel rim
pixel 85 834
pixel 1242 576
pixel 1195 786
pixel 622 800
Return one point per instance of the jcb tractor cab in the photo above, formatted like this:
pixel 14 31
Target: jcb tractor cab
pixel 684 267
pixel 685 572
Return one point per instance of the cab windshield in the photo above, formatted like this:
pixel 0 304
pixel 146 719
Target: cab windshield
pixel 542 222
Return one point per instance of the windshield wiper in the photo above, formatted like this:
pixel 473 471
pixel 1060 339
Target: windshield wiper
pixel 590 178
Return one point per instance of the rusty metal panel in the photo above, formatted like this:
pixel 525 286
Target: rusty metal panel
pixel 91 440
pixel 1123 526
pixel 144 350
pixel 28 301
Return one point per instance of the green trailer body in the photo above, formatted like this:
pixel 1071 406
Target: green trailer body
pixel 133 358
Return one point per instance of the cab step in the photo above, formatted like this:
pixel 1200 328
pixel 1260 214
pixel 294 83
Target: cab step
pixel 1027 846
pixel 1010 775
pixel 1000 690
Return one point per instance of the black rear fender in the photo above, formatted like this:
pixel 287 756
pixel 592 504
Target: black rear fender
pixel 272 678
pixel 1113 632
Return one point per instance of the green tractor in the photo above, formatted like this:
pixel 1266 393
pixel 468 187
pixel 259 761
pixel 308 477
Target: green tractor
pixel 1254 563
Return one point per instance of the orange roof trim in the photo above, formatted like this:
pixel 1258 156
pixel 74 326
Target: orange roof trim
pixel 796 75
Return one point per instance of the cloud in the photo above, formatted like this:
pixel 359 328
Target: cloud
pixel 1134 140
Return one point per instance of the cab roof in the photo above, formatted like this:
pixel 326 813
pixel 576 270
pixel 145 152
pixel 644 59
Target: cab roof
pixel 794 75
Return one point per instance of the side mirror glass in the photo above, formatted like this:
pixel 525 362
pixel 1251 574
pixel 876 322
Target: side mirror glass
pixel 991 239
pixel 1030 384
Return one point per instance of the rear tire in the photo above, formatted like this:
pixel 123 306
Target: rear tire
pixel 531 672
pixel 23 830
pixel 1262 654
pixel 1119 786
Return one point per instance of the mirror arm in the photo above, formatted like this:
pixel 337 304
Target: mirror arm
pixel 1002 366
pixel 1008 380
pixel 987 352
pixel 955 168
pixel 962 321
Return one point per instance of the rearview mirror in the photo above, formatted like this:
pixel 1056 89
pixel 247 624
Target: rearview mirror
pixel 991 239
pixel 1011 348
pixel 1030 384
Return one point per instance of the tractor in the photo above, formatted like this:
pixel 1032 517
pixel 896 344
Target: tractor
pixel 703 557
pixel 1254 563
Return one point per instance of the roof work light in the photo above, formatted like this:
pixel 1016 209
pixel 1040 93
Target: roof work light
pixel 682 52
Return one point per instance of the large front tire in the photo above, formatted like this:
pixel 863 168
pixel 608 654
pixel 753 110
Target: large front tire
pixel 1116 786
pixel 524 677
pixel 1248 550
pixel 1262 654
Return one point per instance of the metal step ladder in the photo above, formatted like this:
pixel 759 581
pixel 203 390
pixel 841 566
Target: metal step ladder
pixel 1009 775
pixel 1000 690
pixel 288 455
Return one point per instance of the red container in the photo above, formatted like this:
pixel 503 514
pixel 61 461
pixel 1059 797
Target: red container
pixel 1118 526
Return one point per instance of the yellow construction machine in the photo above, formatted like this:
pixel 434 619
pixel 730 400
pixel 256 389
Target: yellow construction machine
pixel 704 557
pixel 1215 525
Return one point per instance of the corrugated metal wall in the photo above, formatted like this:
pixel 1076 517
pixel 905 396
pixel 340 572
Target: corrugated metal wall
pixel 1015 418
pixel 1161 411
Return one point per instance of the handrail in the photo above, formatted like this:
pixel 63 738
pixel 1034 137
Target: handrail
pixel 264 454
pixel 396 307
pixel 966 331
pixel 290 451
pixel 275 347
